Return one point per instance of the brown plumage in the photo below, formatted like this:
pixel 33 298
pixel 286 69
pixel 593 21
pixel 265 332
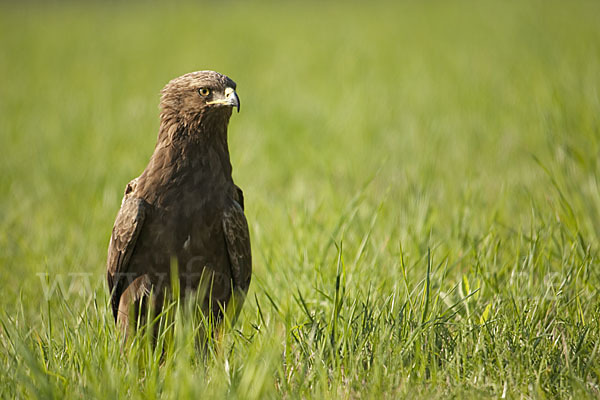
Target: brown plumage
pixel 184 207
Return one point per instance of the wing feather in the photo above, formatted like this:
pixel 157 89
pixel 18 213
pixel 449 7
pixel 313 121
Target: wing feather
pixel 237 238
pixel 126 230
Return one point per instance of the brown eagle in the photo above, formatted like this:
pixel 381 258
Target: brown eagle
pixel 184 209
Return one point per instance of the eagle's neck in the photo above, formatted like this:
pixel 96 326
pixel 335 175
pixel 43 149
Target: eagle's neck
pixel 187 156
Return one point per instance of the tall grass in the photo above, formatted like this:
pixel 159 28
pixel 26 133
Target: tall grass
pixel 421 184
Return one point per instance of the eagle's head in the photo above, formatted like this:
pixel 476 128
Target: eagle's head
pixel 195 96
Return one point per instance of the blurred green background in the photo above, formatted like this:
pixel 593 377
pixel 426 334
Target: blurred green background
pixel 469 129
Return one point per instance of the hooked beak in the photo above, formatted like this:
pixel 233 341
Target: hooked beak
pixel 231 99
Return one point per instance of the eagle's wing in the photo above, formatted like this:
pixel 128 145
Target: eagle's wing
pixel 237 239
pixel 122 243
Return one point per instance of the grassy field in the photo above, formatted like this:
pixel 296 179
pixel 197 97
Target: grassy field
pixel 421 181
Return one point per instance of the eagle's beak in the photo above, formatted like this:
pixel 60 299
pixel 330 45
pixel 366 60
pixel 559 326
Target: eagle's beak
pixel 231 99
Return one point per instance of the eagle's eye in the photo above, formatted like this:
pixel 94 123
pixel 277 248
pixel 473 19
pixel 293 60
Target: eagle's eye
pixel 204 91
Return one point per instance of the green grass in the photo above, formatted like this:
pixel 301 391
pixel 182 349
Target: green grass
pixel 421 180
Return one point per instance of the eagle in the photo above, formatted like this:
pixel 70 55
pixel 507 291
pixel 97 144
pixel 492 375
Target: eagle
pixel 184 210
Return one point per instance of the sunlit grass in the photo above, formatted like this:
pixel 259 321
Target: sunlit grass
pixel 421 183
